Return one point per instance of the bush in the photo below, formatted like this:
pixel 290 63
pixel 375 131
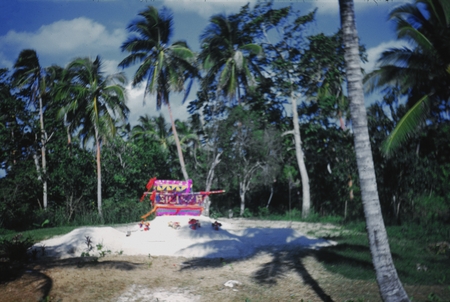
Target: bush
pixel 15 249
pixel 247 213
pixel 433 208
pixel 263 212
pixel 215 213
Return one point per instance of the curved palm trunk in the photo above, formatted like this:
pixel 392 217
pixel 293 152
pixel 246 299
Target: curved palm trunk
pixel 99 175
pixel 177 142
pixel 389 284
pixel 306 202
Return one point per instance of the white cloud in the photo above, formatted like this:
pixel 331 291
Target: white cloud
pixel 206 9
pixel 110 66
pixel 70 38
pixel 5 62
pixel 374 53
pixel 137 107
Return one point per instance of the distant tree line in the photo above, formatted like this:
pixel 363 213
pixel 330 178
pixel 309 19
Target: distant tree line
pixel 70 155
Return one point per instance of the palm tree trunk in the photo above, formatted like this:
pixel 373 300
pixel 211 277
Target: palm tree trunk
pixel 389 284
pixel 99 175
pixel 306 202
pixel 43 153
pixel 177 142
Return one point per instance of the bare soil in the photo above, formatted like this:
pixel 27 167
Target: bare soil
pixel 268 275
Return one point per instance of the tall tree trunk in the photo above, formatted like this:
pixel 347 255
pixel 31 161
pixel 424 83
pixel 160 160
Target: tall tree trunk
pixel 270 197
pixel 242 189
pixel 43 153
pixel 99 175
pixel 177 142
pixel 209 180
pixel 306 202
pixel 389 284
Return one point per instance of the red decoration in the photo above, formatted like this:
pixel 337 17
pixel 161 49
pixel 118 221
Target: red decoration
pixel 150 183
pixel 216 225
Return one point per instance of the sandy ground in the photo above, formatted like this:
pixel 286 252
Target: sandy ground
pixel 234 239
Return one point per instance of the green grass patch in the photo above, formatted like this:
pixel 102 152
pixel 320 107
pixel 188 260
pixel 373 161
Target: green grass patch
pixel 40 234
pixel 417 257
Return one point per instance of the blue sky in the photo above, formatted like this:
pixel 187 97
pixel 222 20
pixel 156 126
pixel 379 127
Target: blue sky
pixel 61 30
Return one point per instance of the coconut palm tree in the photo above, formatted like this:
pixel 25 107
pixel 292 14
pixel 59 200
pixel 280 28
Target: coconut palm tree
pixel 227 57
pixel 389 284
pixel 164 68
pixel 154 129
pixel 93 105
pixel 189 139
pixel 421 70
pixel 30 75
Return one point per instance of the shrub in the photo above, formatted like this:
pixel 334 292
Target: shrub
pixel 15 249
pixel 263 212
pixel 247 213
pixel 432 208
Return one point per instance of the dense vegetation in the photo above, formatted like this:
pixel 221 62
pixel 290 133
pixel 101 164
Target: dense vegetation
pixel 71 157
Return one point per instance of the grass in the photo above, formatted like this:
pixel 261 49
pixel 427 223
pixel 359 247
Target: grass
pixel 415 261
pixel 39 234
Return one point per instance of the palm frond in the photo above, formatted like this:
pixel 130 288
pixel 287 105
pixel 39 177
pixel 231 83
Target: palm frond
pixel 253 48
pixel 406 126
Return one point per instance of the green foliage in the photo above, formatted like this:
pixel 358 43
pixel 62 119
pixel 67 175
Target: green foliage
pixel 215 214
pixel 124 211
pixel 413 183
pixel 263 212
pixel 432 208
pixel 247 213
pixel 418 71
pixel 16 248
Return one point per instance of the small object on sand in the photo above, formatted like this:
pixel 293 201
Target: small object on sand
pixel 128 233
pixel 194 224
pixel 232 283
pixel 174 224
pixel 216 225
pixel 146 226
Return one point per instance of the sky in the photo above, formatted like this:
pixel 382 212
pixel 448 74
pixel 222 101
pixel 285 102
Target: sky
pixel 61 30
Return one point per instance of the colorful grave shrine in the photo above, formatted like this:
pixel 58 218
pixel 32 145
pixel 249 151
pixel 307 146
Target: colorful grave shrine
pixel 174 197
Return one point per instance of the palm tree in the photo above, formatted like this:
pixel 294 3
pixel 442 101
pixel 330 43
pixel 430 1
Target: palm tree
pixel 93 104
pixel 227 57
pixel 153 129
pixel 389 284
pixel 29 73
pixel 188 138
pixel 165 68
pixel 420 71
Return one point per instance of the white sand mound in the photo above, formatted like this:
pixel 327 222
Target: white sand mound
pixel 231 241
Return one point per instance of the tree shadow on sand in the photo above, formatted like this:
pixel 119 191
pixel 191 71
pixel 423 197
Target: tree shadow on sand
pixel 286 257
